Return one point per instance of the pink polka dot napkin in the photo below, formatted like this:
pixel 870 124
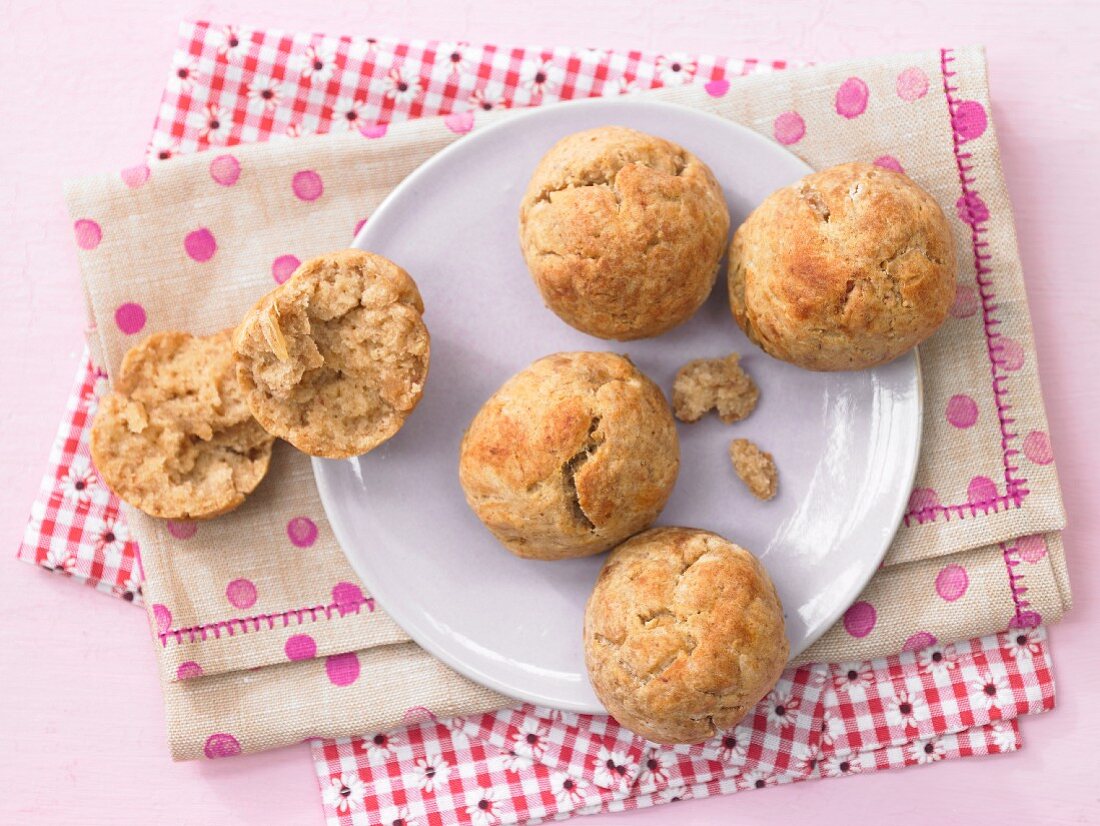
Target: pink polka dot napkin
pixel 265 636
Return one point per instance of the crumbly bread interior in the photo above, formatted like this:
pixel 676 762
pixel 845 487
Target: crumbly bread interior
pixel 335 359
pixel 175 438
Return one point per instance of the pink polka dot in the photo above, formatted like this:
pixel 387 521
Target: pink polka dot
pixel 1011 354
pixel 342 669
pixel 859 620
pixel 182 530
pixel 970 120
pixel 1026 619
pixel 417 714
pixel 162 617
pixel 971 209
pixel 283 267
pixel 221 745
pixel 359 225
pixel 789 128
pixel 225 170
pixel 241 593
pixel 88 234
pixel 300 647
pixel 965 303
pixel 912 84
pixel 307 185
pixel 188 671
pixel 919 641
pixel 374 130
pixel 851 98
pixel 135 176
pixel 1031 548
pixel 200 245
pixel 130 318
pixel 952 582
pixel 923 498
pixel 460 122
pixel 347 596
pixel 1037 448
pixel 981 491
pixel 962 411
pixel 302 531
pixel 717 88
pixel 889 162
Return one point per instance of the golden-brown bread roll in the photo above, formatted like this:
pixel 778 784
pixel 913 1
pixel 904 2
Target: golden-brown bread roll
pixel 623 232
pixel 683 634
pixel 570 456
pixel 845 269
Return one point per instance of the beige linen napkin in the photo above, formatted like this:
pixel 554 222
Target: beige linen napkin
pixel 261 627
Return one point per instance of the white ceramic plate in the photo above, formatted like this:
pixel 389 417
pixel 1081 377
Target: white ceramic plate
pixel 845 443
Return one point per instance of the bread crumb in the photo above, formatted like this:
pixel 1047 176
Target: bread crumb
pixel 709 384
pixel 755 467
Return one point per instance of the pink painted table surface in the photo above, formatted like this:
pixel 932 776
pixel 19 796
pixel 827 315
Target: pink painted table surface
pixel 78 91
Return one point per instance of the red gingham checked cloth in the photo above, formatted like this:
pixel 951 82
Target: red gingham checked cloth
pixel 819 721
pixel 529 763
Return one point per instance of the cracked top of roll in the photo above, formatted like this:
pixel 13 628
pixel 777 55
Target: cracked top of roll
pixel 335 359
pixel 623 232
pixel 845 269
pixel 570 456
pixel 683 634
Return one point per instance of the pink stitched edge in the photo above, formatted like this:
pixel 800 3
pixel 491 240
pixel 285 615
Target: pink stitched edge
pixel 930 513
pixel 1015 488
pixel 202 631
pixel 1023 618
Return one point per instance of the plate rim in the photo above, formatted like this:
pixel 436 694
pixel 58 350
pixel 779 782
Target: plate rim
pixel 322 476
